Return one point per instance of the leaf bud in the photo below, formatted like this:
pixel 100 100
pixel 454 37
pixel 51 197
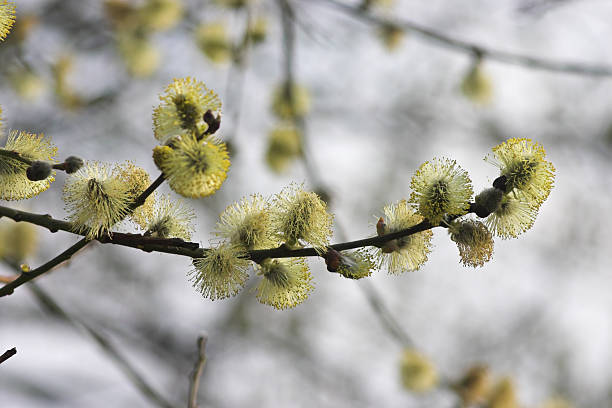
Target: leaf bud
pixel 39 170
pixel 72 164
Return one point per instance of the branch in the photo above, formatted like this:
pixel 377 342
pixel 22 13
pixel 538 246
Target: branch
pixel 28 276
pixel 11 154
pixel 194 382
pixel 111 351
pixel 54 225
pixel 446 41
pixel 8 354
pixel 193 250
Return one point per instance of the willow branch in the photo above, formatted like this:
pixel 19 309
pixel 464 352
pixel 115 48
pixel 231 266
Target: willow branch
pixel 106 346
pixel 11 154
pixel 468 47
pixel 193 250
pixel 28 276
pixel 194 383
pixel 54 225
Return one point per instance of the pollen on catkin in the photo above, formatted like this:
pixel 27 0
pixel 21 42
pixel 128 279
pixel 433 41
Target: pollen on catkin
pixel 137 180
pixel 182 108
pixel 417 373
pixel 407 253
pixel 529 177
pixel 7 17
pixel 96 198
pixel 512 218
pixel 194 168
pixel 440 187
pixel 247 224
pixel 301 217
pixel 171 219
pixel 474 241
pixel 221 272
pixel 14 183
pixel 285 283
pixel 355 264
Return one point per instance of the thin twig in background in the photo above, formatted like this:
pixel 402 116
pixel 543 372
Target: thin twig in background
pixel 8 354
pixel 49 304
pixel 194 383
pixel 236 77
pixel 468 47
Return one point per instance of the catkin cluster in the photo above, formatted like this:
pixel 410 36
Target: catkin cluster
pixel 99 196
pixel 294 217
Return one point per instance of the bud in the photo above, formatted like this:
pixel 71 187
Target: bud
pixel 391 35
pixel 213 122
pixel 72 164
pixel 474 385
pixel 332 260
pixel 39 170
pixel 488 201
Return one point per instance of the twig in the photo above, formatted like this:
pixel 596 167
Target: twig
pixel 194 383
pixel 385 317
pixel 236 78
pixel 28 276
pixel 10 154
pixel 8 354
pixel 140 200
pixel 193 250
pixel 111 351
pixel 53 226
pixel 444 40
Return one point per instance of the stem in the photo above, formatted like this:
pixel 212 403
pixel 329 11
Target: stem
pixel 11 154
pixel 54 225
pixel 28 276
pixel 194 383
pixel 140 200
pixel 193 250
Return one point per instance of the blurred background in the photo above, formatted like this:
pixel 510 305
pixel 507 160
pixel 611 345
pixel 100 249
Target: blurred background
pixel 376 99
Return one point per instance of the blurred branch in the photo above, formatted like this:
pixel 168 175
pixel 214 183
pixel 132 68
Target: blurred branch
pixel 236 76
pixel 446 41
pixel 51 306
pixel 194 383
pixel 8 354
pixel 388 322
